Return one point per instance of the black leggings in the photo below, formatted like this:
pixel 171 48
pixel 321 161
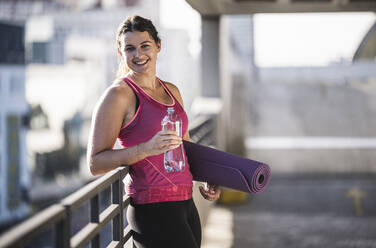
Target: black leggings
pixel 173 224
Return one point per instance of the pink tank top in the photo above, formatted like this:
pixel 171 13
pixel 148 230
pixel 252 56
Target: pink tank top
pixel 147 180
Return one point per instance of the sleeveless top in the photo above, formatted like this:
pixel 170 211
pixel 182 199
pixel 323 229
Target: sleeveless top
pixel 147 180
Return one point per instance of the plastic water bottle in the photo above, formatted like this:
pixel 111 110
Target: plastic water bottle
pixel 174 160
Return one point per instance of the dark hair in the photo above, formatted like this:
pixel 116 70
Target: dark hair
pixel 134 23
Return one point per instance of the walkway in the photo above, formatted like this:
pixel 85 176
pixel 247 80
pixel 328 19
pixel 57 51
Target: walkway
pixel 297 213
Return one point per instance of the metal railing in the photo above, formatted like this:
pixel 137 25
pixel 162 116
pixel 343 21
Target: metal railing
pixel 202 130
pixel 58 217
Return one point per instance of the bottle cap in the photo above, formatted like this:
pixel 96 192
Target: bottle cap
pixel 170 110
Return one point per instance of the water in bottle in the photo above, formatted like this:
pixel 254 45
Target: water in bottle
pixel 174 160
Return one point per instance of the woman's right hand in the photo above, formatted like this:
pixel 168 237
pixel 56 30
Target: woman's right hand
pixel 162 142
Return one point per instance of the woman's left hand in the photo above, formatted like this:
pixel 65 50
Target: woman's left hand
pixel 211 192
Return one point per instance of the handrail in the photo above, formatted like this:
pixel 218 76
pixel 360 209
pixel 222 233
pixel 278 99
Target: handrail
pixel 17 236
pixel 77 198
pixel 202 130
pixel 59 215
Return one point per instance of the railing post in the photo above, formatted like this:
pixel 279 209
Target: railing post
pixel 123 173
pixel 66 228
pixel 94 218
pixel 117 197
pixel 60 232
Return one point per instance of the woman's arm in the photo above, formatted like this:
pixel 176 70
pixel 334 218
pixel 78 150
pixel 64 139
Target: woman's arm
pixel 116 103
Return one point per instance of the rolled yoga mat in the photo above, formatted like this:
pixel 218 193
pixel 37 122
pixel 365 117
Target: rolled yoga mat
pixel 225 169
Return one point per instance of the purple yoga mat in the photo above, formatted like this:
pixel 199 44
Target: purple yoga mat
pixel 225 169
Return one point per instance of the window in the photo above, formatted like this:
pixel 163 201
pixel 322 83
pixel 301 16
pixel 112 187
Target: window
pixel 39 52
pixel 13 151
pixel 15 85
pixel 12 50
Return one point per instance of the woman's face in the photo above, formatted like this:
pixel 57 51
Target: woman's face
pixel 139 51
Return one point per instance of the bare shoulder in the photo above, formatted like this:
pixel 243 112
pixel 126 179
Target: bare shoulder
pixel 172 87
pixel 175 91
pixel 120 87
pixel 118 95
pixel 120 91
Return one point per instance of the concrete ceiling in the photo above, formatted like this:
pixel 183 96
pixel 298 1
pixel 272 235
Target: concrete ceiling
pixel 367 48
pixel 227 7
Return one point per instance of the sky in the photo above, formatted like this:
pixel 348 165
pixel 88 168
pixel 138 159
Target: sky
pixel 307 39
pixel 315 39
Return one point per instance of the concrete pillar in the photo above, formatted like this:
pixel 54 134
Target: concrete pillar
pixel 210 83
pixel 236 69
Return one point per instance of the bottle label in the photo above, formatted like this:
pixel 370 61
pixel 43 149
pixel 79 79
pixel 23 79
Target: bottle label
pixel 178 128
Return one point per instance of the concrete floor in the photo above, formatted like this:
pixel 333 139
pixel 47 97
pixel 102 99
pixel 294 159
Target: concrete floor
pixel 335 212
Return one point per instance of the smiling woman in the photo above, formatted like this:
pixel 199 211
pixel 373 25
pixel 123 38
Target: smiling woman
pixel 141 33
pixel 131 110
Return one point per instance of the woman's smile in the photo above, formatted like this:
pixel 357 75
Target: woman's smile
pixel 140 51
pixel 141 62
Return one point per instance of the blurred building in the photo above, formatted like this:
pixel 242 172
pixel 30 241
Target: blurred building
pixel 70 53
pixel 14 110
pixel 315 119
pixel 71 59
pixel 21 10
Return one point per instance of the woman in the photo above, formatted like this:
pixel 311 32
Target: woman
pixel 162 212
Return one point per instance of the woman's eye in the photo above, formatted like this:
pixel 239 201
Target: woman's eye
pixel 129 49
pixel 145 46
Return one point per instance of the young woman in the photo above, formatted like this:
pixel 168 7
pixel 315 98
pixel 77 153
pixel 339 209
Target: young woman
pixel 162 212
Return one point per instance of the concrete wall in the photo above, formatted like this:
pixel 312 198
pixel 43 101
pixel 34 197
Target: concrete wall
pixel 320 119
